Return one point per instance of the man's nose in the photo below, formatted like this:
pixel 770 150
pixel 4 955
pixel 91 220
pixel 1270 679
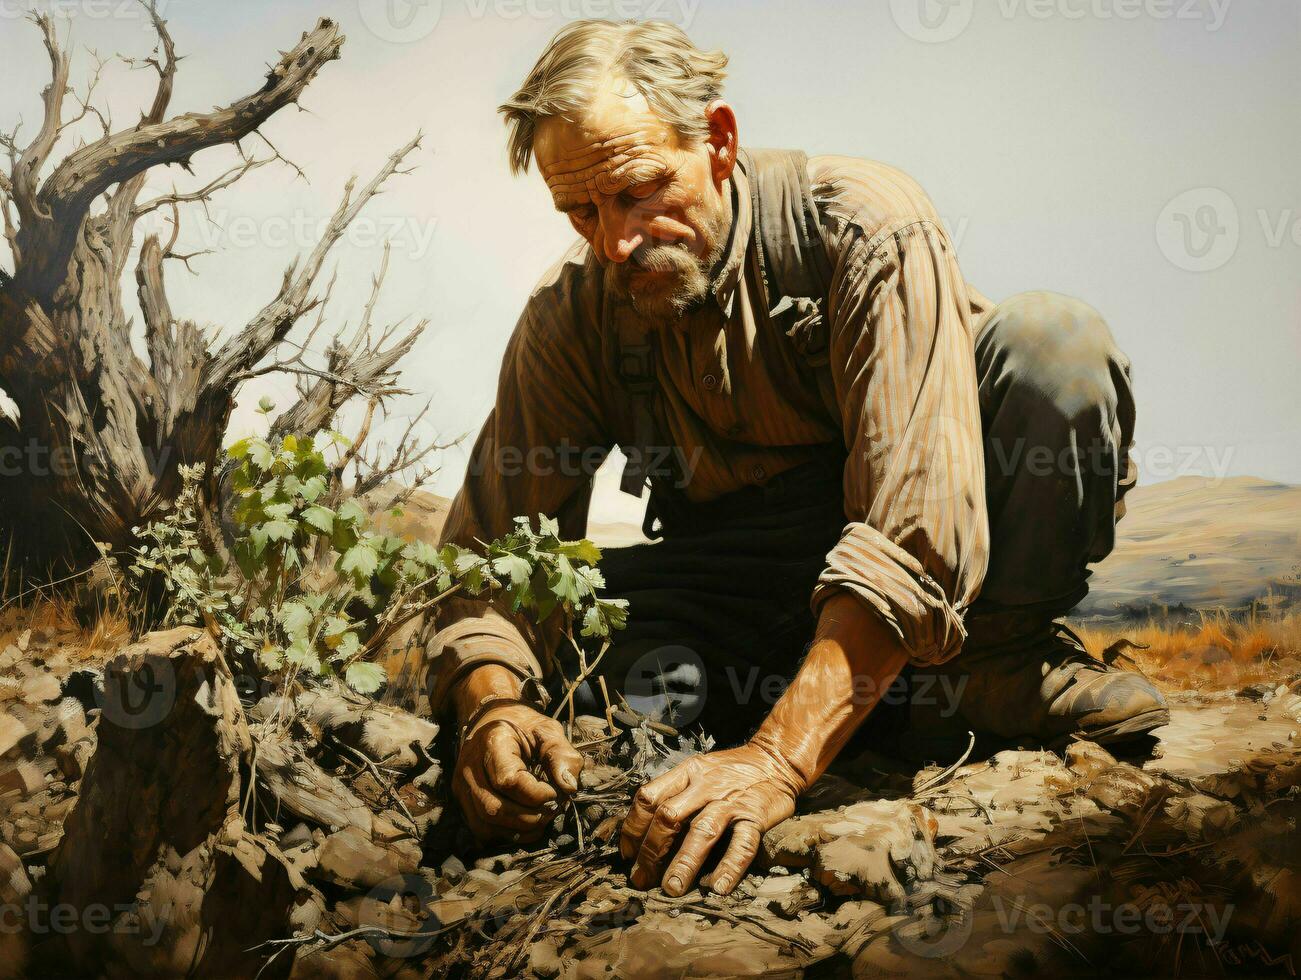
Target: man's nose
pixel 621 237
pixel 620 243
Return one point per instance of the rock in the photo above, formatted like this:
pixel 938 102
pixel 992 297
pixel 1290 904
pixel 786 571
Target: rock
pixel 1201 817
pixel 23 778
pixel 304 790
pixel 14 883
pixel 385 734
pixel 1121 788
pixel 351 961
pixel 1087 759
pixel 306 913
pixel 74 758
pixel 40 686
pixel 12 730
pixel 349 858
pixel 869 850
pixel 785 895
pixel 164 787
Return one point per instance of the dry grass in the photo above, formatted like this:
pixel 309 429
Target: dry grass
pixel 1216 652
pixel 53 622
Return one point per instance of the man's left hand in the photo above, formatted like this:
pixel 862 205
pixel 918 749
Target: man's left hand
pixel 745 790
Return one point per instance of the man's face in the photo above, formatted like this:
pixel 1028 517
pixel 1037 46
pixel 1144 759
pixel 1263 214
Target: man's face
pixel 652 209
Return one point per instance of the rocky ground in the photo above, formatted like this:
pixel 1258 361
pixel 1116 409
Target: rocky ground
pixel 160 817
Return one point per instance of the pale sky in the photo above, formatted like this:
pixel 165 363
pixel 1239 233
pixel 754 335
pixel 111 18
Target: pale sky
pixel 1140 154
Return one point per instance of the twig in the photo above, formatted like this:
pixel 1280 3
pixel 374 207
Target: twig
pixel 936 780
pixel 767 933
pixel 582 676
pixel 384 783
pixel 609 710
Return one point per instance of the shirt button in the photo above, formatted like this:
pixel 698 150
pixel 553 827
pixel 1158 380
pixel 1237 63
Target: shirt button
pixel 710 382
pixel 758 472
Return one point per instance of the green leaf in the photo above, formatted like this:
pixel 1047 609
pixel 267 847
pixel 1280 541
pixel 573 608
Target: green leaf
pixel 513 566
pixel 280 511
pixel 301 654
pixel 265 405
pixel 279 530
pixel 238 449
pixel 270 658
pixel 348 647
pixel 359 560
pixel 584 551
pixel 257 537
pixel 296 618
pixel 591 580
pixel 352 512
pixel 260 454
pixel 334 626
pixel 594 623
pixel 321 518
pixel 312 488
pixel 364 678
pixel 564 583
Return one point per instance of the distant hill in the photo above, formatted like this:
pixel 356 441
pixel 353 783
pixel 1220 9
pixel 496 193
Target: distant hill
pixel 1197 541
pixel 1194 541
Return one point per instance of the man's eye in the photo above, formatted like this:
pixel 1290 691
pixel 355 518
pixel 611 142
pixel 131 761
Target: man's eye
pixel 640 192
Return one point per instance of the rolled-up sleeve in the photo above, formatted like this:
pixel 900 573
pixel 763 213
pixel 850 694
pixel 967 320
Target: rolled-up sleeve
pixel 902 363
pixel 534 455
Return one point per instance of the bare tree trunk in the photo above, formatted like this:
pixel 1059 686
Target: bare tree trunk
pixel 100 431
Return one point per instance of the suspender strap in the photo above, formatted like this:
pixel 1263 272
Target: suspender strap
pixel 788 238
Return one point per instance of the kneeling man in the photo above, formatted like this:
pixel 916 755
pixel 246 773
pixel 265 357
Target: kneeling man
pixel 853 458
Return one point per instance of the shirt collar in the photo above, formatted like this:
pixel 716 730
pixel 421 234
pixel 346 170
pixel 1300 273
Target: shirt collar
pixel 738 243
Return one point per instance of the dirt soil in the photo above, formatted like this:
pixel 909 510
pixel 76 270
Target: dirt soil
pixel 1024 863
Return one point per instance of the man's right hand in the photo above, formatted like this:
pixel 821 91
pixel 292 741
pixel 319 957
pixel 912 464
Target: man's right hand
pixel 494 781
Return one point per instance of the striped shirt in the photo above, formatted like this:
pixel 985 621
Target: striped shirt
pixel 895 387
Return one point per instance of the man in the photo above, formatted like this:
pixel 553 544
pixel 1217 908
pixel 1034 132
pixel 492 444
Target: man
pixel 846 444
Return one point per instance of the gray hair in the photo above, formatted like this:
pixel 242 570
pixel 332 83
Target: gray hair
pixel 675 77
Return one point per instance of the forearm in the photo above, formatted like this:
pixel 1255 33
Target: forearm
pixel 854 658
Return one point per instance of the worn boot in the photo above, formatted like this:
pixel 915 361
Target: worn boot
pixel 1043 687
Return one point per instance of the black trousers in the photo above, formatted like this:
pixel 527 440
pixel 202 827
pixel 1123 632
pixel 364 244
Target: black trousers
pixel 719 607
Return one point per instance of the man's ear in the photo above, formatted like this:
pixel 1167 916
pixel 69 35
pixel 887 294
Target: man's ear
pixel 722 140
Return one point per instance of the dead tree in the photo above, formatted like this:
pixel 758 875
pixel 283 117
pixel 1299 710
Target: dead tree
pixel 95 433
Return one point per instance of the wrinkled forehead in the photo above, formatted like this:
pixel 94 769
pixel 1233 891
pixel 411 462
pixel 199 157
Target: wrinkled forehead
pixel 619 141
